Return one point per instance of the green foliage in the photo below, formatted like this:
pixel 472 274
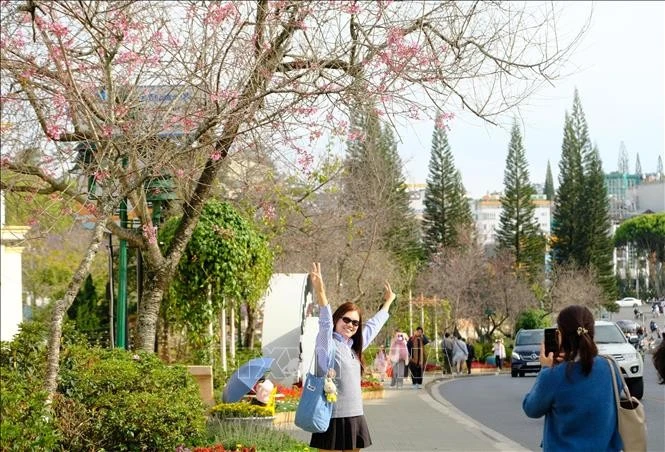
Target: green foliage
pixel 25 422
pixel 446 207
pixel 129 402
pixel 599 249
pixel 549 183
pixel 90 314
pixel 646 232
pixel 580 224
pixel 265 439
pixel 518 231
pixel 225 255
pixel 532 319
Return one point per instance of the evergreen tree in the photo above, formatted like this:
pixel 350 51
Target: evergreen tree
pixel 91 317
pixel 446 206
pixel 518 230
pixel 549 183
pixel 375 185
pixel 638 165
pixel 567 208
pixel 581 220
pixel 599 250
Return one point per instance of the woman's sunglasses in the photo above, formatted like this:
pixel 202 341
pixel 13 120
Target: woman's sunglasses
pixel 351 321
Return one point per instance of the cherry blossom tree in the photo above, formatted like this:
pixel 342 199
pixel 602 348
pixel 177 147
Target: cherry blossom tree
pixel 126 91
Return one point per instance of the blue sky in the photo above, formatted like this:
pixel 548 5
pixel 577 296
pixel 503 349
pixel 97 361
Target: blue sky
pixel 619 72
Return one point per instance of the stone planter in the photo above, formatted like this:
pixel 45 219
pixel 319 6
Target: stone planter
pixel 286 417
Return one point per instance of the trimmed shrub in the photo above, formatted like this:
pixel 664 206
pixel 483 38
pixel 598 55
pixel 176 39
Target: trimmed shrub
pixel 126 401
pixel 24 417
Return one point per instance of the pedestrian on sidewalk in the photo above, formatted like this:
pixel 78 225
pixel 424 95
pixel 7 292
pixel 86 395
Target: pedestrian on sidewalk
pixel 471 354
pixel 499 354
pixel 417 356
pixel 459 354
pixel 447 353
pixel 573 390
pixel 399 356
pixel 381 363
pixel 344 332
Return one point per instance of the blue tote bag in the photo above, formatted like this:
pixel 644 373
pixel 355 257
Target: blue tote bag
pixel 314 411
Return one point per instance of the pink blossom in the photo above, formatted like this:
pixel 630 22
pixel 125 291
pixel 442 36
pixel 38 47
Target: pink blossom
pixel 442 120
pixel 218 13
pixel 353 8
pixel 101 175
pixel 53 131
pixel 269 211
pixel 216 155
pixel 355 135
pixel 150 233
pixel 180 173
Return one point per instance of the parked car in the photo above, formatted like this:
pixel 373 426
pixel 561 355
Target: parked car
pixel 612 342
pixel 629 302
pixel 525 356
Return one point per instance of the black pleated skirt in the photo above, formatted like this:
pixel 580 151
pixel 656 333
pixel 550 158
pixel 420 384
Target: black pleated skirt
pixel 343 433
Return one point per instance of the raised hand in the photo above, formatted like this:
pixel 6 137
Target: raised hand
pixel 317 284
pixel 388 294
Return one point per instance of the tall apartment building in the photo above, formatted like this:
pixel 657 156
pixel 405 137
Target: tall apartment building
pixel 487 214
pixel 622 203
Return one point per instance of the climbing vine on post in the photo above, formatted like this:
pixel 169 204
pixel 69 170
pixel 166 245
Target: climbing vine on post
pixel 226 261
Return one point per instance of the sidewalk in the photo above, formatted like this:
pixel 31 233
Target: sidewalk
pixel 413 420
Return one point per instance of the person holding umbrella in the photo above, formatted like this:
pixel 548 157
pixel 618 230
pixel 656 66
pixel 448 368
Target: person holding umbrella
pixel 345 332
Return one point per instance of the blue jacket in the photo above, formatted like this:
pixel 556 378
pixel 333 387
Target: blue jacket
pixel 580 412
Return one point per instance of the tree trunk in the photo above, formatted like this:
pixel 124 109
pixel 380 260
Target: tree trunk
pixel 149 313
pixel 232 322
pixel 222 337
pixel 249 331
pixel 61 307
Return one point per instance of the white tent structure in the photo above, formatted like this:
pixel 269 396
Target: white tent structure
pixel 289 327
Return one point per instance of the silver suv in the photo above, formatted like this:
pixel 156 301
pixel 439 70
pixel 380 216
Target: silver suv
pixel 611 342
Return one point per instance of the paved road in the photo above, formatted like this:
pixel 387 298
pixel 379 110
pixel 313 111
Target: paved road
pixel 496 401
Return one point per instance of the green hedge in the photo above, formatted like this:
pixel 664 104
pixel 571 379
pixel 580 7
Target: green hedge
pixel 129 401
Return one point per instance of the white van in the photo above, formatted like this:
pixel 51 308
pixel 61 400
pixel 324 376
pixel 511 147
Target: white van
pixel 611 342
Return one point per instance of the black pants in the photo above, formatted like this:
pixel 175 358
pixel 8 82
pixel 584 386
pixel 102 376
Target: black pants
pixel 416 374
pixel 468 365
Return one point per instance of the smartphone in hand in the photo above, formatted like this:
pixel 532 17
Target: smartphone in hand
pixel 551 343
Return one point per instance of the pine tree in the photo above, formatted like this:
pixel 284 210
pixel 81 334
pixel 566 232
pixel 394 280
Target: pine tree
pixel 567 208
pixel 581 218
pixel 549 183
pixel 518 230
pixel 596 224
pixel 90 317
pixel 446 206
pixel 375 185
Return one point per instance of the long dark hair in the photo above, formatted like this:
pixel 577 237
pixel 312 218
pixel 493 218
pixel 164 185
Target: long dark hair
pixel 576 329
pixel 358 335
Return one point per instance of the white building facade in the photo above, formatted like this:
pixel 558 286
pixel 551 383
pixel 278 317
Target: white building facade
pixel 11 281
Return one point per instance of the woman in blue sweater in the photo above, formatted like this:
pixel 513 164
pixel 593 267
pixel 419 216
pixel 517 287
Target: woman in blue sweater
pixel 574 390
pixel 344 332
